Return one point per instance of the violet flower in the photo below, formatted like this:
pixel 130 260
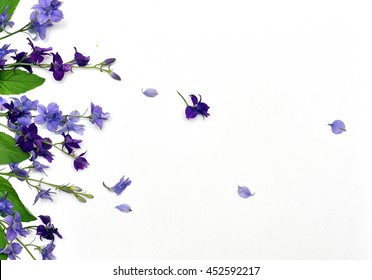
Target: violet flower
pixel 47 230
pixel 58 67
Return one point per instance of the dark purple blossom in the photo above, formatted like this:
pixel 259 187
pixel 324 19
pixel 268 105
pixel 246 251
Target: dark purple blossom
pixel 43 194
pixel 42 147
pixel 38 54
pixel 47 230
pixel 125 208
pixel 80 59
pixel 47 10
pixel 47 252
pixel 4 19
pixel 19 111
pixel 20 173
pixel 80 162
pixel 51 115
pixel 244 192
pixel 23 61
pixel 97 116
pixel 198 107
pixel 58 67
pixel 6 206
pixel 70 144
pixel 120 186
pixel 150 92
pixel 28 137
pixel 12 250
pixel 15 227
pixel 337 127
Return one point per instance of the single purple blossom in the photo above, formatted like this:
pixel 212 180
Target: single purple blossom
pixel 80 162
pixel 38 54
pixel 58 67
pixel 42 147
pixel 51 115
pixel 70 144
pixel 38 28
pixel 124 208
pixel 244 192
pixel 80 59
pixel 197 108
pixel 39 166
pixel 21 174
pixel 47 230
pixel 19 110
pixel 120 186
pixel 12 250
pixel 6 207
pixel 5 51
pixel 48 10
pixel 97 116
pixel 28 137
pixel 150 92
pixel 46 252
pixel 69 123
pixel 337 127
pixel 4 19
pixel 15 227
pixel 43 194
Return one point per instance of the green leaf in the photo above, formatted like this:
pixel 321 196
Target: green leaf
pixel 18 81
pixel 12 196
pixel 9 152
pixel 3 244
pixel 12 4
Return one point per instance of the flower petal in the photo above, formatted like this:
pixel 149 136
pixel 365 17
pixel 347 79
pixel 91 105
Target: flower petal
pixel 244 192
pixel 125 208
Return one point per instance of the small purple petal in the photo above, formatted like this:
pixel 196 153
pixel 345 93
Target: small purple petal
pixel 244 192
pixel 124 208
pixel 150 92
pixel 337 127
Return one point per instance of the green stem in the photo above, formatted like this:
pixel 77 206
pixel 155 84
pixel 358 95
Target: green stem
pixel 25 246
pixel 24 28
pixel 187 104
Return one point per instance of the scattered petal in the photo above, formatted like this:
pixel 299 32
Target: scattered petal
pixel 150 92
pixel 124 208
pixel 244 192
pixel 337 127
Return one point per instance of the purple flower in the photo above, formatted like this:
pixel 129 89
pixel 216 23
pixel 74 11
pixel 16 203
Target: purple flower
pixel 38 28
pixel 28 137
pixel 124 208
pixel 39 166
pixel 4 51
pixel 47 230
pixel 150 92
pixel 42 147
pixel 80 162
pixel 337 127
pixel 197 108
pixel 37 55
pixel 244 192
pixel 58 67
pixel 80 59
pixel 46 252
pixel 48 10
pixel 43 194
pixel 70 144
pixel 4 19
pixel 97 116
pixel 69 124
pixel 51 116
pixel 22 58
pixel 12 250
pixel 19 111
pixel 6 206
pixel 21 174
pixel 120 186
pixel 15 227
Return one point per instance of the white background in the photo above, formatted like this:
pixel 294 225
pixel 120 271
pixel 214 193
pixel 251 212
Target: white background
pixel 274 74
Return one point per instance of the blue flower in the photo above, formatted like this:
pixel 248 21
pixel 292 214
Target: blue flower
pixel 4 19
pixel 6 206
pixel 12 250
pixel 244 192
pixel 52 116
pixel 21 174
pixel 3 52
pixel 80 59
pixel 2 102
pixel 48 10
pixel 70 124
pixel 124 208
pixel 120 186
pixel 337 127
pixel 43 194
pixel 46 252
pixel 80 162
pixel 19 111
pixel 150 92
pixel 38 28
pixel 47 230
pixel 97 116
pixel 15 227
pixel 39 166
pixel 58 67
